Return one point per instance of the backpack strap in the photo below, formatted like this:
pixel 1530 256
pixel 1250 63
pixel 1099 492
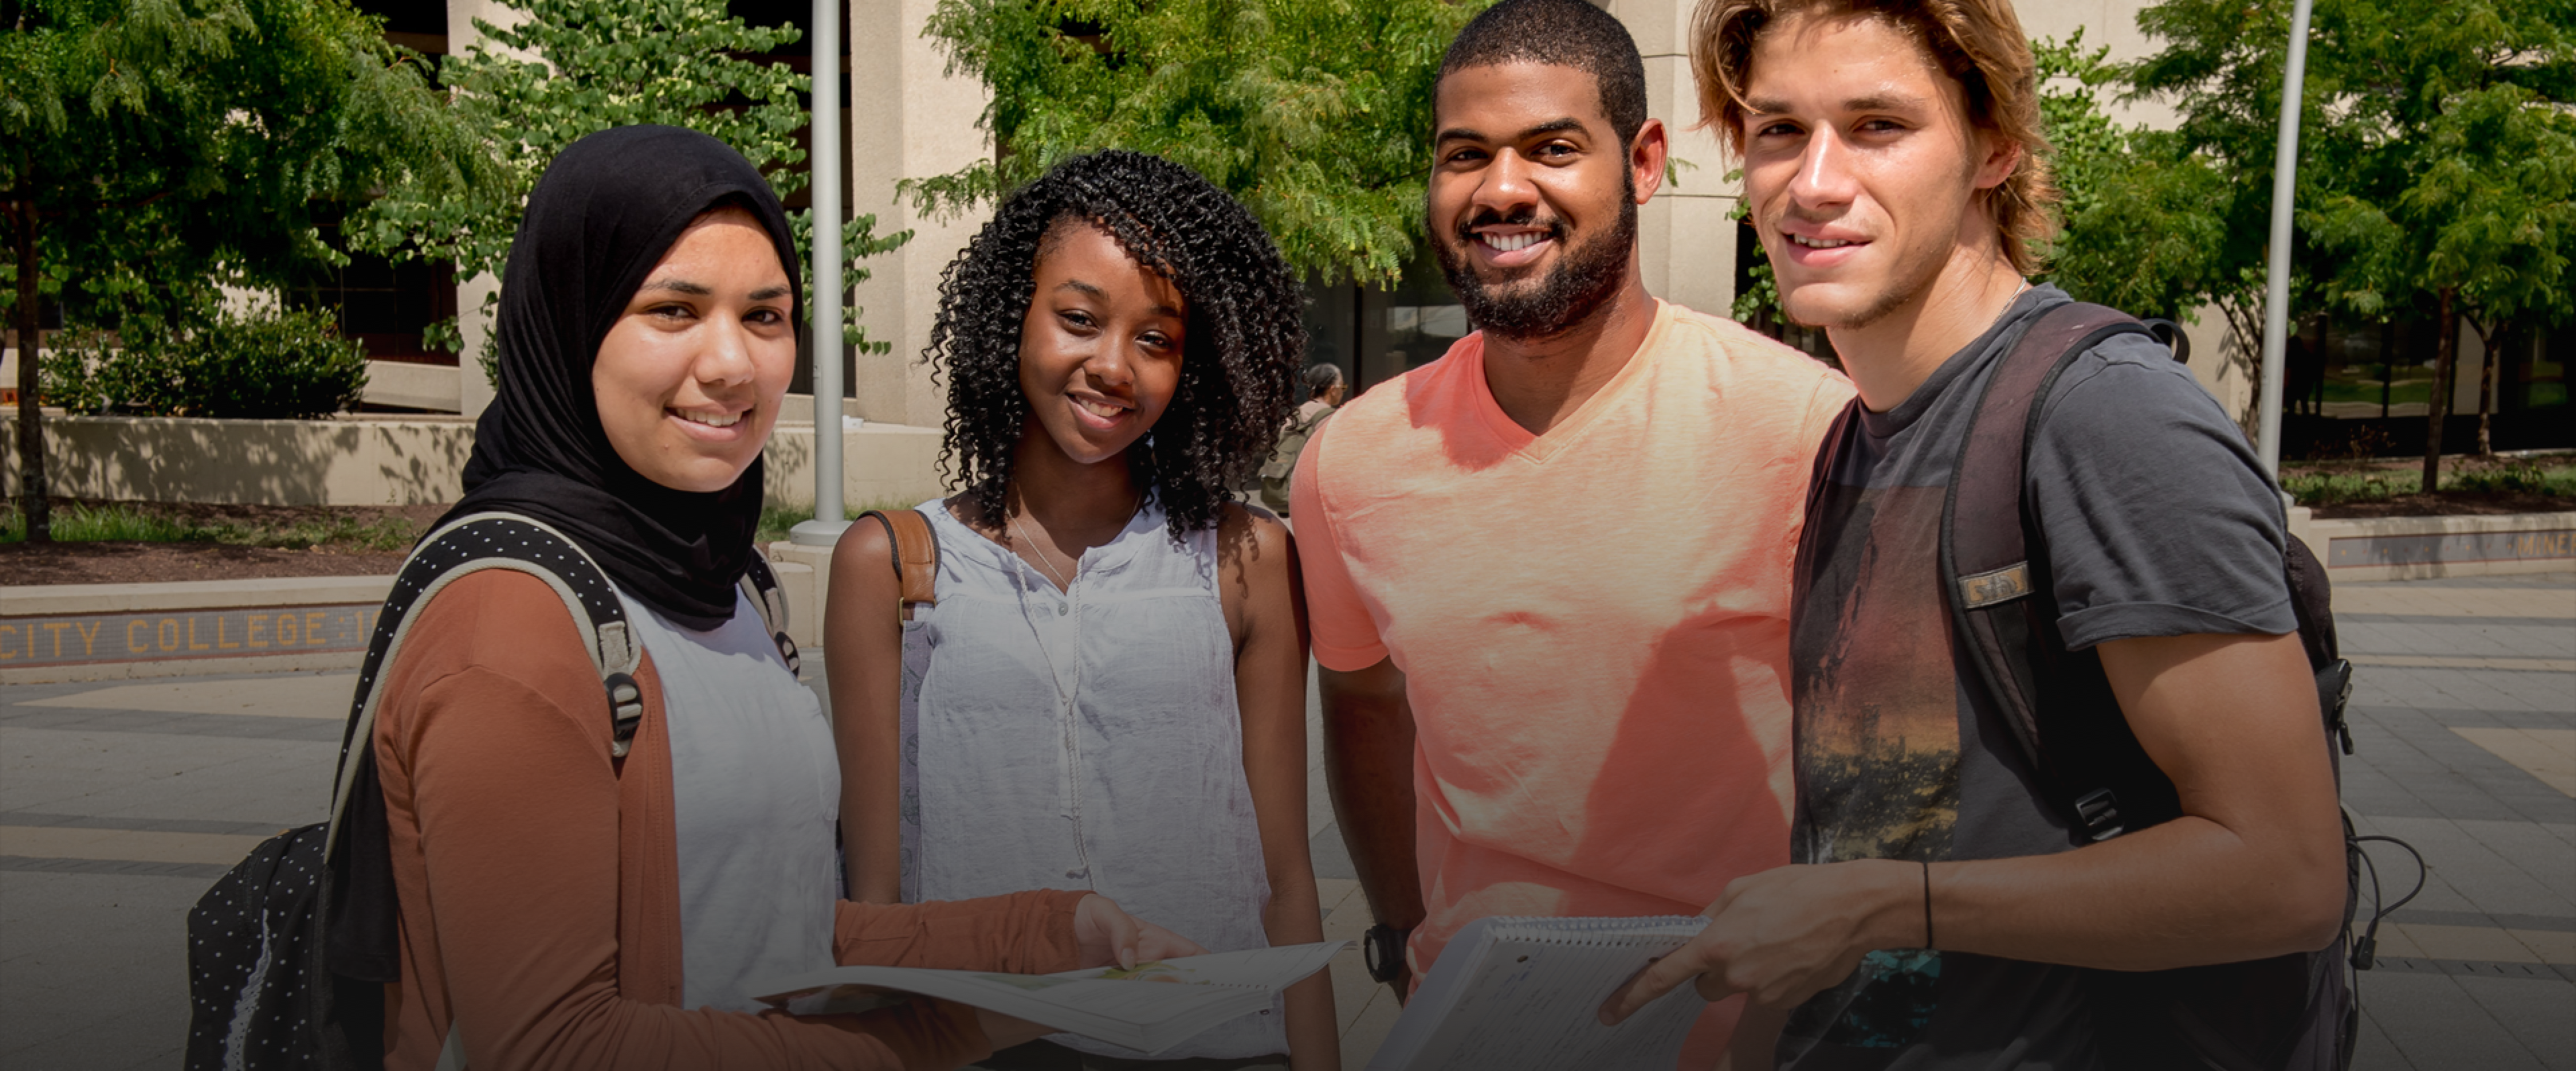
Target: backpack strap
pixel 460 549
pixel 1987 573
pixel 914 547
pixel 1819 478
pixel 761 583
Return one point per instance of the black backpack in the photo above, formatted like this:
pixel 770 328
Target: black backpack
pixel 2070 727
pixel 289 952
pixel 2090 763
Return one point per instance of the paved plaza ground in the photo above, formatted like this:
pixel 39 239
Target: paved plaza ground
pixel 121 802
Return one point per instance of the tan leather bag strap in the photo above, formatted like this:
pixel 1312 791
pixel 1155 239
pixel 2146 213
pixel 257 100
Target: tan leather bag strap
pixel 916 557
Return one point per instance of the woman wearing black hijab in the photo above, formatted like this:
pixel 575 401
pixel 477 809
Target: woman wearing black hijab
pixel 559 906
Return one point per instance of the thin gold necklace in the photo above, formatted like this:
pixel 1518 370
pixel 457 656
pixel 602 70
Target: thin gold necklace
pixel 1061 584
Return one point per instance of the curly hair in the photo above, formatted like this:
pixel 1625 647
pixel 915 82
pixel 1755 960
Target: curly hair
pixel 1241 351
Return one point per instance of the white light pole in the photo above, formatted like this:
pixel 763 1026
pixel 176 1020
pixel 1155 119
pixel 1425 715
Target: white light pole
pixel 825 119
pixel 2276 284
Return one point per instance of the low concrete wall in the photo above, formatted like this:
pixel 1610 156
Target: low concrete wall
pixel 85 632
pixel 2416 548
pixel 366 461
pixel 413 386
pixel 346 462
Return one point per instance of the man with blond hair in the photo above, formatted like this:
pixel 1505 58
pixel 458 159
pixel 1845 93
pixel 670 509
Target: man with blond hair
pixel 1944 907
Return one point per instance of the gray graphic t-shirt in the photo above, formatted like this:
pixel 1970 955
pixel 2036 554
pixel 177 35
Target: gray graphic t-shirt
pixel 2158 522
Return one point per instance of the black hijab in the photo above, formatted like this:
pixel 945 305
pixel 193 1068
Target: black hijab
pixel 603 215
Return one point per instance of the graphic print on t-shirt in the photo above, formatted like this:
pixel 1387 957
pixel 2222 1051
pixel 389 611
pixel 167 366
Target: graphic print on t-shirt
pixel 1877 735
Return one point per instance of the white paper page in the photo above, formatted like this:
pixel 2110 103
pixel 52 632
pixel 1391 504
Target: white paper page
pixel 1123 1012
pixel 1272 969
pixel 1160 1004
pixel 1515 994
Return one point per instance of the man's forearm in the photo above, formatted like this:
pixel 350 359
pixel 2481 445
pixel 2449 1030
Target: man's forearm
pixel 2253 869
pixel 1368 765
pixel 2180 894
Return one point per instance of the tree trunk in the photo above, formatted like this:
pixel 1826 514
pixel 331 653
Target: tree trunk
pixel 32 492
pixel 2486 383
pixel 2446 354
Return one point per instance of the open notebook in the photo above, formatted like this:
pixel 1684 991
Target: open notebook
pixel 1159 1004
pixel 1524 994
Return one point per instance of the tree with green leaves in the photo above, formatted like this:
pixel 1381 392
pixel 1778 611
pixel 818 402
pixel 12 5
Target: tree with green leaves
pixel 572 68
pixel 2136 231
pixel 2464 192
pixel 1314 113
pixel 153 149
pixel 2438 154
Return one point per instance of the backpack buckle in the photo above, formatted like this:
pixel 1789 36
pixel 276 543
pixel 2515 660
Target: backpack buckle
pixel 2334 692
pixel 626 711
pixel 2099 812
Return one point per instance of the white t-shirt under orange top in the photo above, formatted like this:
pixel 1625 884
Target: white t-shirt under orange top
pixel 1593 623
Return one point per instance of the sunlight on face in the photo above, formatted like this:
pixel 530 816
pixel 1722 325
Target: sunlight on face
pixel 690 377
pixel 1861 167
pixel 1100 347
pixel 1532 203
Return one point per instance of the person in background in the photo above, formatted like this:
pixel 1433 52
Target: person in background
pixel 1549 572
pixel 1109 692
pixel 1944 912
pixel 559 906
pixel 1324 389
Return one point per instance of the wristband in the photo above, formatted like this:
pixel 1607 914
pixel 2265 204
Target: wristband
pixel 1383 948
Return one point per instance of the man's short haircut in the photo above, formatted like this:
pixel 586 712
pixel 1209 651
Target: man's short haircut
pixel 1564 33
pixel 1978 42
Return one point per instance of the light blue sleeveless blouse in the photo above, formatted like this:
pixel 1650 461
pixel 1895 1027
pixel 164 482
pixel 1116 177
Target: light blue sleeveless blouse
pixel 1087 739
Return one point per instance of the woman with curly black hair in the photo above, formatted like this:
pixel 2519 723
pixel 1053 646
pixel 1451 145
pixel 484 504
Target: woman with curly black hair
pixel 1104 688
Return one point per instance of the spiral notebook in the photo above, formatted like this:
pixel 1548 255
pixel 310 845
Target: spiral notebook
pixel 1523 994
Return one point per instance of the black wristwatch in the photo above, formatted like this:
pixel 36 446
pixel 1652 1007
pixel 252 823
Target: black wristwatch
pixel 1383 948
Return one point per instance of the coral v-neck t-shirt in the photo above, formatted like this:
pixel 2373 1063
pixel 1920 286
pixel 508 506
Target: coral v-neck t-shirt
pixel 1593 623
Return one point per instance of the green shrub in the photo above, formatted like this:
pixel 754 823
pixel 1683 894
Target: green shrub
pixel 2336 488
pixel 2523 477
pixel 74 522
pixel 80 522
pixel 267 364
pixel 777 518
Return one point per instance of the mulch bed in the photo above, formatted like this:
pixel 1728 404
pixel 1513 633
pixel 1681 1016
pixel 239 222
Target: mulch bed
pixel 128 562
pixel 134 563
pixel 2448 504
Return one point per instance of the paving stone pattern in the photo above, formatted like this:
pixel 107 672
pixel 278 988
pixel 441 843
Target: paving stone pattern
pixel 2478 971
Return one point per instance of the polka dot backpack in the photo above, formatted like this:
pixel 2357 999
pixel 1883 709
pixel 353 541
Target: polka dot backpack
pixel 289 952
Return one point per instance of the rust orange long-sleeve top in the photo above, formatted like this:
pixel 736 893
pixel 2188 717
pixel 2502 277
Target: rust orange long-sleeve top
pixel 537 876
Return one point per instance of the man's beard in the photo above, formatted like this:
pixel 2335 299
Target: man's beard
pixel 1584 277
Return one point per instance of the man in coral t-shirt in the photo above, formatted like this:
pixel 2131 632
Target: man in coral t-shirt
pixel 1549 573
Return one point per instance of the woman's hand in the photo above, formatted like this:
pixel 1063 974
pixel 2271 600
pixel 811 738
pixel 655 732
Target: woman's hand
pixel 1107 935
